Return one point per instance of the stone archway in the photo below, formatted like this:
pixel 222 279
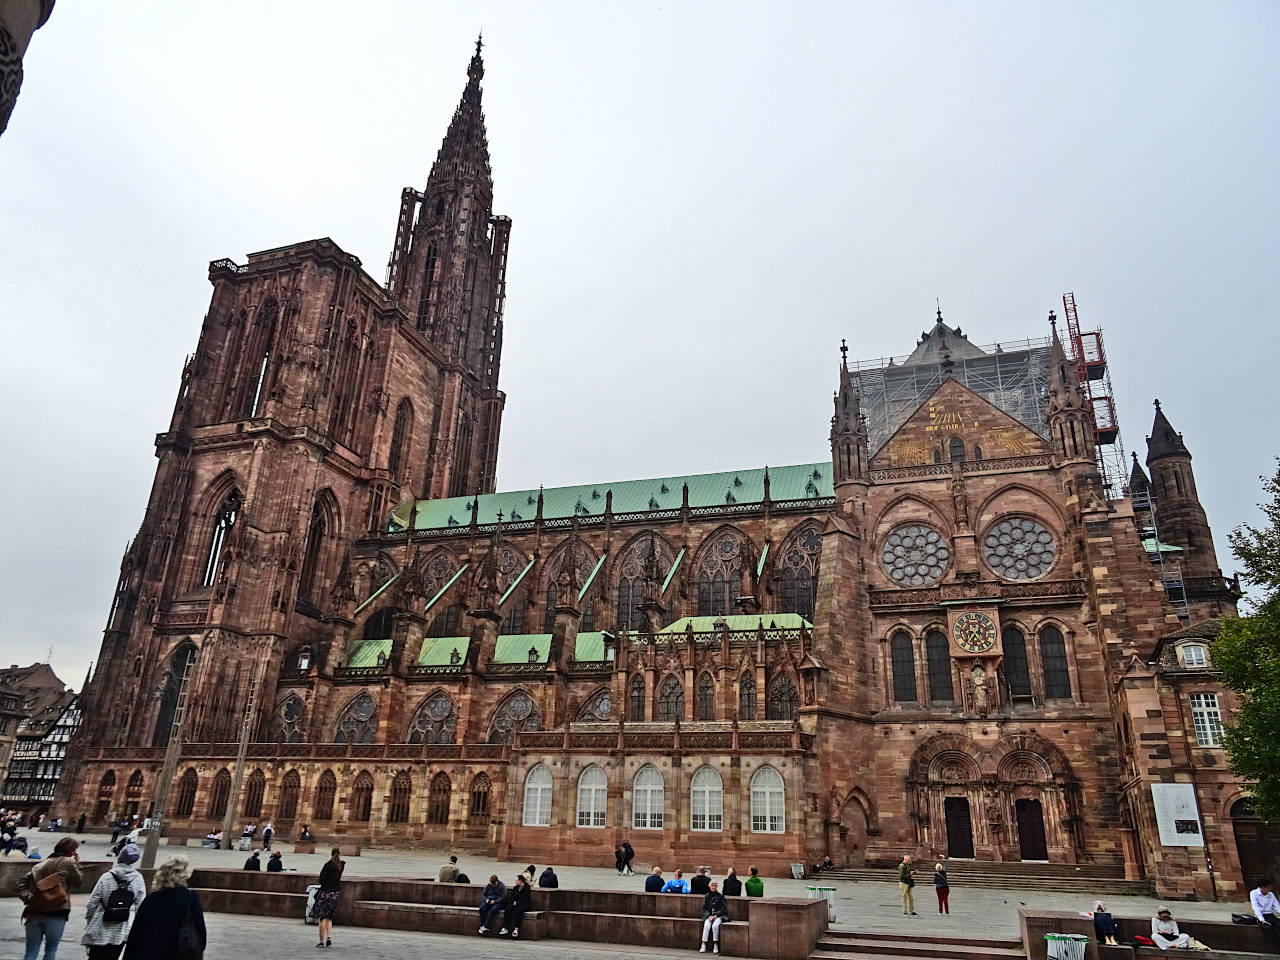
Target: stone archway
pixel 851 825
pixel 1257 843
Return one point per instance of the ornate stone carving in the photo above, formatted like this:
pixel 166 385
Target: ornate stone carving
pixel 915 555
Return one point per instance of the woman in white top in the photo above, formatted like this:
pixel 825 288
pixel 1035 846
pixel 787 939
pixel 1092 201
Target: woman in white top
pixel 1165 932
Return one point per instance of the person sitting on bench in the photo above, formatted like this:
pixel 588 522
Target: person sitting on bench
pixel 715 911
pixel 519 899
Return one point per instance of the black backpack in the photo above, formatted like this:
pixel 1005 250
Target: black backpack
pixel 119 902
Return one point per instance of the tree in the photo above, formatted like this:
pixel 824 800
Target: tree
pixel 1247 651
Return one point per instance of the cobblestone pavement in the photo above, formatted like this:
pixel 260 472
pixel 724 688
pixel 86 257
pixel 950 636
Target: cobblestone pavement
pixel 868 906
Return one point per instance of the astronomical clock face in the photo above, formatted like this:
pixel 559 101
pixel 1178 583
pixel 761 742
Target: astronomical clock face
pixel 974 632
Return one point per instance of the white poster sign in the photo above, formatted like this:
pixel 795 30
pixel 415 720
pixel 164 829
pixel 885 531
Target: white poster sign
pixel 1177 815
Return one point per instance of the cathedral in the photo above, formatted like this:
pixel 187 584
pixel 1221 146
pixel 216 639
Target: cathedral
pixel 950 634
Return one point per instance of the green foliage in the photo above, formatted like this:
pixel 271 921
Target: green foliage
pixel 1247 651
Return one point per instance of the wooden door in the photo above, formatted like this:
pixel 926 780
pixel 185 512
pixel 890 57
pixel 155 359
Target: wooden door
pixel 959 828
pixel 1031 838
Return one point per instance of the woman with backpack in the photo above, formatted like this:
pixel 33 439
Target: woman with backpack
pixel 114 900
pixel 170 923
pixel 45 891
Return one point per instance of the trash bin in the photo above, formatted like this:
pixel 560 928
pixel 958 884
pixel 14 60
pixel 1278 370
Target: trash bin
pixel 828 894
pixel 1066 946
pixel 311 899
pixel 246 844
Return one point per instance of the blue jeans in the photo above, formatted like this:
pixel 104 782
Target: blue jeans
pixel 47 927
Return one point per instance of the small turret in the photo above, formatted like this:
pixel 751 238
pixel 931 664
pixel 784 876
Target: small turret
pixel 1067 409
pixel 1179 515
pixel 849 454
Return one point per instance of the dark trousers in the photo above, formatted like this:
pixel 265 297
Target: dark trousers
pixel 109 952
pixel 488 911
pixel 1273 931
pixel 513 917
pixel 943 894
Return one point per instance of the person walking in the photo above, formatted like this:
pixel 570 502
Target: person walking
pixel 715 911
pixel 170 921
pixel 519 899
pixel 115 832
pixel 268 832
pixel 754 885
pixel 80 823
pixel 732 886
pixel 942 888
pixel 906 881
pixel 115 899
pixel 627 856
pixel 326 902
pixel 617 860
pixel 45 894
pixel 491 900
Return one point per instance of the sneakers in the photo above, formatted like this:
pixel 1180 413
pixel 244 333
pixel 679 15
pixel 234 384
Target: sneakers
pixel 502 932
pixel 702 948
pixel 483 931
pixel 515 934
pixel 716 948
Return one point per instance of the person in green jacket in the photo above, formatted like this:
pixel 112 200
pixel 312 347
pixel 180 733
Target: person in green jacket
pixel 905 883
pixel 754 885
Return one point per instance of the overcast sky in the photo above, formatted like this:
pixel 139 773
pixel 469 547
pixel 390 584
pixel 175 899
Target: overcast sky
pixel 706 198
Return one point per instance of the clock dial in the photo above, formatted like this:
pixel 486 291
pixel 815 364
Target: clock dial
pixel 974 632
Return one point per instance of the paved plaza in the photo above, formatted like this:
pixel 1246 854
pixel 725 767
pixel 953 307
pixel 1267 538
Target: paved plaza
pixel 862 906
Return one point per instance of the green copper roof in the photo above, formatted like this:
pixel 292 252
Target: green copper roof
pixel 800 482
pixel 1149 545
pixel 740 621
pixel 436 652
pixel 515 648
pixel 365 653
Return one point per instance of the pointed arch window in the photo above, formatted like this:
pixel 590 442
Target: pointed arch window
pixel 289 791
pixel 720 576
pixel 518 712
pixel 326 788
pixel 784 699
pixel 800 573
pixel 362 797
pixel 537 797
pixel 593 797
pixel 671 700
pixel 597 709
pixel 223 521
pixel 938 656
pixel 478 810
pixel 636 698
pixel 768 802
pixel 258 358
pixel 253 794
pixel 311 557
pixel 435 722
pixel 706 697
pixel 286 726
pixel 446 621
pixel 429 279
pixel 219 794
pixel 439 795
pixel 513 622
pixel 358 722
pixel 956 449
pixel 553 596
pixel 1053 655
pixel 706 800
pixel 170 693
pixel 902 657
pixel 401 794
pixel 747 697
pixel 1016 671
pixel 400 439
pixel 647 799
pixel 187 793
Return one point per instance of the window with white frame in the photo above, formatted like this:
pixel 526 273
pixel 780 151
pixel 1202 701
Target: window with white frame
pixel 537 797
pixel 593 796
pixel 1195 655
pixel 1207 719
pixel 768 796
pixel 647 799
pixel 706 806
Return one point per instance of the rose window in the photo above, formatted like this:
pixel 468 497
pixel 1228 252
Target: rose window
pixel 915 555
pixel 1019 548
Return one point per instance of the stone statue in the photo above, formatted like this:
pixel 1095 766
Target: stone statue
pixel 959 499
pixel 978 687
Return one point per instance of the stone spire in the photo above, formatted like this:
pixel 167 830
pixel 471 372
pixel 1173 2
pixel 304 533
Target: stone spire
pixel 849 453
pixel 1164 440
pixel 464 152
pixel 1067 409
pixel 1138 482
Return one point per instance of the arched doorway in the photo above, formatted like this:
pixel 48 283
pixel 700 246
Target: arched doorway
pixel 1257 843
pixel 959 821
pixel 1032 844
pixel 852 834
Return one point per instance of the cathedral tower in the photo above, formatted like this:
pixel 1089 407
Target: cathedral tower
pixel 1181 519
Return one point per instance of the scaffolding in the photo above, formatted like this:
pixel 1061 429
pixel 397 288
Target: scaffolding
pixel 1011 375
pixel 1170 571
pixel 1089 356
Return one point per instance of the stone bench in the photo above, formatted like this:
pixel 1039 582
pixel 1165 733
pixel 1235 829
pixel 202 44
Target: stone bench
pixel 255 903
pixel 436 918
pixel 1229 941
pixel 305 846
pixel 13 870
pixel 646 931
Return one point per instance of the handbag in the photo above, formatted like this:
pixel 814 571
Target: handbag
pixel 189 946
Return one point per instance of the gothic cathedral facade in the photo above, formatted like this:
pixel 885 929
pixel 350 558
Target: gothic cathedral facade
pixel 950 636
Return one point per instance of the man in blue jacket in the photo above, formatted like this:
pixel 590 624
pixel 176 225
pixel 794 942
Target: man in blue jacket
pixel 677 884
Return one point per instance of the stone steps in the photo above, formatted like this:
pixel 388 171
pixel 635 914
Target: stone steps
pixel 887 946
pixel 1054 883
